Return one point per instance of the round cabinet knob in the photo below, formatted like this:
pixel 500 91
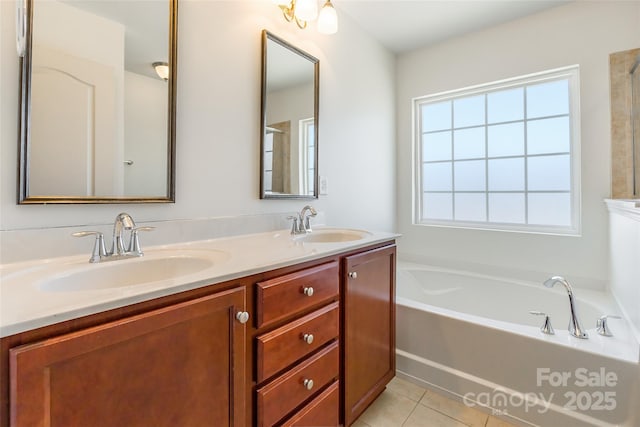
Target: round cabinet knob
pixel 308 384
pixel 308 338
pixel 353 275
pixel 242 316
pixel 308 291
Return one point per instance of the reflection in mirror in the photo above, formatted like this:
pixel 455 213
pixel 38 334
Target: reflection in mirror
pixel 289 138
pixel 97 120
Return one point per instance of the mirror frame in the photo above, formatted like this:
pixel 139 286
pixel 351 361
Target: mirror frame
pixel 266 36
pixel 25 125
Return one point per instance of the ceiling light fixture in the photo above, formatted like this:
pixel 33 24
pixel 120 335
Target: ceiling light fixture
pixel 162 69
pixel 304 11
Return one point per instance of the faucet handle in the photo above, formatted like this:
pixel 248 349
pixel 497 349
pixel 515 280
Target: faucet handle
pixel 134 243
pixel 294 224
pixel 546 327
pixel 99 249
pixel 602 327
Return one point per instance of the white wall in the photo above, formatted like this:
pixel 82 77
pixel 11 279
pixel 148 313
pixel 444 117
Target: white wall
pixel 624 227
pixel 583 33
pixel 218 103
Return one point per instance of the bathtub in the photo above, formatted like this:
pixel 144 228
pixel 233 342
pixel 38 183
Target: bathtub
pixel 471 336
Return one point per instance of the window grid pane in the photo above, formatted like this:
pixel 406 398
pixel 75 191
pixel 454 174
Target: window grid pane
pixel 500 157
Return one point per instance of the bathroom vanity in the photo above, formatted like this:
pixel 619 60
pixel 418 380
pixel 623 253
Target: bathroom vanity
pixel 307 339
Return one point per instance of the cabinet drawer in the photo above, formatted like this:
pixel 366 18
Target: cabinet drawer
pixel 289 390
pixel 321 411
pixel 285 295
pixel 283 346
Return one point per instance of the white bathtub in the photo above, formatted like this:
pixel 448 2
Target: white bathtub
pixel 472 337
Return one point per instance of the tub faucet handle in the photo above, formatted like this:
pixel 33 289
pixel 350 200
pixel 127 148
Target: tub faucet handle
pixel 546 327
pixel 602 327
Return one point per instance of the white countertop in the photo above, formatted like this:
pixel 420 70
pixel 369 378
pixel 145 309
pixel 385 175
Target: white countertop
pixel 25 306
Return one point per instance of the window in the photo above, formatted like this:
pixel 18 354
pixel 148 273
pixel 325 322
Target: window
pixel 504 155
pixel 307 156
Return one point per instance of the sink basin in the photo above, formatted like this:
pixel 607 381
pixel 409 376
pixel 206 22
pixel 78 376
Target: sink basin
pixel 333 236
pixel 132 272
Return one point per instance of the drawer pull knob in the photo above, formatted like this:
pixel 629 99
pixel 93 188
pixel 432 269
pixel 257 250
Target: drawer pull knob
pixel 242 316
pixel 308 384
pixel 308 291
pixel 353 275
pixel 308 338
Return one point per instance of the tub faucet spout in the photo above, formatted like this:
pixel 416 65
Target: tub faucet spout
pixel 574 324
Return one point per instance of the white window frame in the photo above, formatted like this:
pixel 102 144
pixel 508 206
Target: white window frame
pixel 306 144
pixel 570 73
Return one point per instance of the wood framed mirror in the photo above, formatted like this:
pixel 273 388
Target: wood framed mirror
pixel 97 120
pixel 289 121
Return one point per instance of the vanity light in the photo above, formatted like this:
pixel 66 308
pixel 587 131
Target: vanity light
pixel 303 11
pixel 162 69
pixel 328 19
pixel 306 10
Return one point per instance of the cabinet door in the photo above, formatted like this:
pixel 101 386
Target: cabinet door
pixel 369 334
pixel 182 365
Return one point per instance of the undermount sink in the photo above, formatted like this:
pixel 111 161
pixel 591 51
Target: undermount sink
pixel 132 272
pixel 334 235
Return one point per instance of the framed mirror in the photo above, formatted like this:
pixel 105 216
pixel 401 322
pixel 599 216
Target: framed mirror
pixel 97 117
pixel 289 127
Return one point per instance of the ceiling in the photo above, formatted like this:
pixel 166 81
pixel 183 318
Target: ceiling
pixel 404 25
pixel 400 25
pixel 146 24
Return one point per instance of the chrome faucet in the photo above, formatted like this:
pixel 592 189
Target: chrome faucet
pixel 123 222
pixel 602 325
pixel 546 327
pixel 574 324
pixel 304 217
pixel 301 222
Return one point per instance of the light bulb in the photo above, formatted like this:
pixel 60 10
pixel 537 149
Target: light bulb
pixel 162 69
pixel 306 10
pixel 328 20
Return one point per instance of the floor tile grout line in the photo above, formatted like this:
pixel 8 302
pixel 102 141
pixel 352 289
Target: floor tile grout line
pixel 424 391
pixel 454 418
pixel 407 396
pixel 419 402
pixel 410 413
pixel 441 413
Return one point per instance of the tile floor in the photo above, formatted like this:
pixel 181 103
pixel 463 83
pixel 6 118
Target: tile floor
pixel 404 404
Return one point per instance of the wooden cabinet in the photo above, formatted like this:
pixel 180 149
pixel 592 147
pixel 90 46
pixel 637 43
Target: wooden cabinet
pixel 317 351
pixel 369 327
pixel 299 360
pixel 179 365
